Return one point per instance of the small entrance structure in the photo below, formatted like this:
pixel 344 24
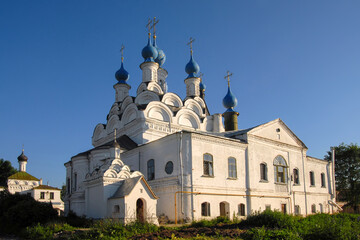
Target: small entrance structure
pixel 134 201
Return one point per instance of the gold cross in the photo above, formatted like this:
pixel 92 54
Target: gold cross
pixel 190 44
pixel 153 26
pixel 228 77
pixel 148 25
pixel 122 52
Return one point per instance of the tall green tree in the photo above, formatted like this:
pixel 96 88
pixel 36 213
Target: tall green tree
pixel 347 172
pixel 6 170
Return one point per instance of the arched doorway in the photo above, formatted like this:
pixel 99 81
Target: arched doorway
pixel 140 210
pixel 224 209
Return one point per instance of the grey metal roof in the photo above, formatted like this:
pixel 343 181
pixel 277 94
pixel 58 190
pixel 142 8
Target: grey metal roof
pixel 126 187
pixel 124 141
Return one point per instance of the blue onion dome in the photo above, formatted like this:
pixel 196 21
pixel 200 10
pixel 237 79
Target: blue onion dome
pixel 192 68
pixel 149 52
pixel 161 58
pixel 122 75
pixel 229 100
pixel 202 86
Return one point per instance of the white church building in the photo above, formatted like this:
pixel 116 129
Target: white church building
pixel 172 158
pixel 24 183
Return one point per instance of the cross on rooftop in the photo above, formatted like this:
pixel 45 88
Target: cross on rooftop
pixel 122 52
pixel 190 44
pixel 228 75
pixel 200 75
pixel 148 26
pixel 153 25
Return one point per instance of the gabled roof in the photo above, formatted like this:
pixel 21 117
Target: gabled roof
pixel 253 129
pixel 46 187
pixel 23 176
pixel 124 141
pixel 128 185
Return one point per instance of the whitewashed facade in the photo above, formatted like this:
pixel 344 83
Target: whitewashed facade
pixel 196 167
pixel 24 183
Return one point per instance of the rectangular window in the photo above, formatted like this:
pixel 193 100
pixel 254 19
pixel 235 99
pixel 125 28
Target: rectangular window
pixel 312 179
pixel 297 210
pixel 116 209
pixel 68 186
pixel 42 195
pixel 151 169
pixel 208 165
pixel 232 167
pixel 283 208
pixel 323 180
pixel 263 172
pixel 75 182
pixel 205 209
pixel 241 209
pixel 51 195
pixel 267 207
pixel 296 176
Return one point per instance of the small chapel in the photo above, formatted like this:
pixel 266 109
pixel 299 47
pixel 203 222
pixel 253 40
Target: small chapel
pixel 24 183
pixel 162 155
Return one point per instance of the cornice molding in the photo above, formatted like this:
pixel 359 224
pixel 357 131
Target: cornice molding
pixel 272 142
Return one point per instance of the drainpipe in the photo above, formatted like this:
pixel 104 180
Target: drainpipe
pixel 333 172
pixel 302 157
pixel 225 194
pixel 181 172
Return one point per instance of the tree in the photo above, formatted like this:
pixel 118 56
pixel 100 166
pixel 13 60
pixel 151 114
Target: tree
pixel 347 172
pixel 6 170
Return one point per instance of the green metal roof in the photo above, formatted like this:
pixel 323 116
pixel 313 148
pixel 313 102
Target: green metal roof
pixel 23 176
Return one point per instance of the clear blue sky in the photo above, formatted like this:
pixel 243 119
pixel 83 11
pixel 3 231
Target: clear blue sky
pixel 294 60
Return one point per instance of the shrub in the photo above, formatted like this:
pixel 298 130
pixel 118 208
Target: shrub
pixel 20 211
pixel 46 231
pixel 76 221
pixel 270 219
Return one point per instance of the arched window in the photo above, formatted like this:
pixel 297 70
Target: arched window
pixel 280 169
pixel 313 208
pixel 321 208
pixel 241 209
pixel 312 179
pixel 205 209
pixel 232 167
pixel 323 180
pixel 208 165
pixel 297 210
pixel 151 169
pixel 263 172
pixel 296 176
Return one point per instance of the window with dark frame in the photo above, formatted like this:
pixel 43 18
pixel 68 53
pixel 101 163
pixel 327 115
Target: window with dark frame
pixel 297 210
pixel 280 169
pixel 323 180
pixel 51 195
pixel 283 208
pixel 313 208
pixel 241 209
pixel 169 167
pixel 296 176
pixel 42 195
pixel 232 167
pixel 151 169
pixel 263 172
pixel 205 209
pixel 312 178
pixel 68 186
pixel 208 165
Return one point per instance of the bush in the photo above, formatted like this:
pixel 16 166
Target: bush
pixel 76 221
pixel 20 211
pixel 270 219
pixel 324 226
pixel 47 231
